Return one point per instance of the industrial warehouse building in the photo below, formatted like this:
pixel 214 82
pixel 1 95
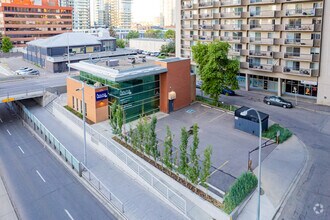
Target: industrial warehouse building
pixel 141 86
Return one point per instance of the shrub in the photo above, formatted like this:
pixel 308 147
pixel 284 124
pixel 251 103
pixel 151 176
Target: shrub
pixel 272 130
pixel 241 188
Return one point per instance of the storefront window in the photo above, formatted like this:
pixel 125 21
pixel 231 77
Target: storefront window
pixel 301 87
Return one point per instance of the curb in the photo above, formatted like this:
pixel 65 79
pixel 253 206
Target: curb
pixel 9 198
pixel 292 187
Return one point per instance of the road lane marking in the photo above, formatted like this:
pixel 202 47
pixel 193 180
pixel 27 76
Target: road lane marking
pixel 223 114
pixel 68 213
pixel 21 149
pixel 1 120
pixel 40 176
pixel 8 132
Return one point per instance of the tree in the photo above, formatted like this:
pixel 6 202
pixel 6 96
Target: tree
pixel 194 169
pixel 168 48
pixel 205 174
pixel 146 136
pixel 153 138
pixel 216 70
pixel 133 34
pixel 140 134
pixel 120 43
pixel 168 143
pixel 119 120
pixel 6 44
pixel 183 166
pixel 113 118
pixel 170 34
pixel 112 32
pixel 153 33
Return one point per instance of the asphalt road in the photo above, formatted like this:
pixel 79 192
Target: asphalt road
pixel 311 197
pixel 12 87
pixel 38 184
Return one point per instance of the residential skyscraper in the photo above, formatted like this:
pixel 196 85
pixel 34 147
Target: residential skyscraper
pixel 121 13
pixel 100 13
pixel 278 42
pixel 167 13
pixel 81 12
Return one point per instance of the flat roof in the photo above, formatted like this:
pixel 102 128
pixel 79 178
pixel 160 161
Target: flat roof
pixel 93 56
pixel 124 71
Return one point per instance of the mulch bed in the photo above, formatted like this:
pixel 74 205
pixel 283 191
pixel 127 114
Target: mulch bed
pixel 171 174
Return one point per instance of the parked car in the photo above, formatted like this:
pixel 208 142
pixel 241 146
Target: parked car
pixel 199 84
pixel 278 101
pixel 34 72
pixel 24 72
pixel 21 69
pixel 145 52
pixel 155 54
pixel 228 92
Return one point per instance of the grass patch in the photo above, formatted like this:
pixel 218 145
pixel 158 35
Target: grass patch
pixel 219 104
pixel 272 130
pixel 241 188
pixel 78 114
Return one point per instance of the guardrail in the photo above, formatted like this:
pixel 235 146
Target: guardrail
pixel 178 201
pixel 79 167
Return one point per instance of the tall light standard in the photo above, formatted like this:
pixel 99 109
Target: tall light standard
pixel 244 113
pixel 84 119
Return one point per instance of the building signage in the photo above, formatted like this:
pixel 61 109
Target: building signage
pixel 101 95
pixel 308 82
pixel 125 92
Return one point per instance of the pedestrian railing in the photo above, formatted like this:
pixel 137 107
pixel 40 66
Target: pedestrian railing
pixel 178 201
pixel 101 188
pixel 79 167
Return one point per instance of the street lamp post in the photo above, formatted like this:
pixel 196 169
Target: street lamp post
pixel 84 119
pixel 259 160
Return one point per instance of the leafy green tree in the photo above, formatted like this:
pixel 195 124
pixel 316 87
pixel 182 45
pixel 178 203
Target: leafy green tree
pixel 153 138
pixel 112 32
pixel 120 120
pixel 140 134
pixel 168 143
pixel 168 48
pixel 183 166
pixel 120 43
pixel 133 34
pixel 205 174
pixel 153 33
pixel 169 34
pixel 113 118
pixel 6 44
pixel 146 136
pixel 194 169
pixel 216 70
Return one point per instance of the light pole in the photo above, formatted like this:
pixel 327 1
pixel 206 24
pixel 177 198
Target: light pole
pixel 244 113
pixel 84 119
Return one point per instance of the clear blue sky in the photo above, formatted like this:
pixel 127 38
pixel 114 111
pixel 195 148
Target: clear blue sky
pixel 145 10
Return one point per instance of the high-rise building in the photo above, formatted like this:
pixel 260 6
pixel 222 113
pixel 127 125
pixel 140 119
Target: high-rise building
pixel 100 13
pixel 81 12
pixel 121 13
pixel 278 42
pixel 26 20
pixel 167 13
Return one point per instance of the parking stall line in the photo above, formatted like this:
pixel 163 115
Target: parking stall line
pixel 21 150
pixel 1 120
pixel 8 132
pixel 219 116
pixel 219 168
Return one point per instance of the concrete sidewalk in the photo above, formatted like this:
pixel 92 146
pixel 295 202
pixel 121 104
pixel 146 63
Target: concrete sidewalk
pixel 7 211
pixel 280 171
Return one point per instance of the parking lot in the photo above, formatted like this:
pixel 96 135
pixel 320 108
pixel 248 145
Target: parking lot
pixel 216 128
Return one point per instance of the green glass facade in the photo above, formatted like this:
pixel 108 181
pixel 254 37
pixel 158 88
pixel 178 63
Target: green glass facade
pixel 137 96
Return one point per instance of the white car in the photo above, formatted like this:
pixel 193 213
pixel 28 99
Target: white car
pixel 25 72
pixel 21 69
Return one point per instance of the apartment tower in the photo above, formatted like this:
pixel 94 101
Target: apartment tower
pixel 80 13
pixel 121 13
pixel 279 43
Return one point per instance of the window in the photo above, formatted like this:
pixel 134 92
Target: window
pixel 81 106
pixel 72 102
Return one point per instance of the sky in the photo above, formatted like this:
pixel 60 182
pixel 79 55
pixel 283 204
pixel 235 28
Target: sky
pixel 145 10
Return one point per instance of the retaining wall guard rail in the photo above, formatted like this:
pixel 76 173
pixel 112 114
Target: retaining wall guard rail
pixel 79 167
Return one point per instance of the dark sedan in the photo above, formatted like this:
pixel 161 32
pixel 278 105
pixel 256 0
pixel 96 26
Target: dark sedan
pixel 278 101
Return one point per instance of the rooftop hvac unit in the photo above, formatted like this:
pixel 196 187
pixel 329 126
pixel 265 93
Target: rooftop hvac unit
pixel 112 63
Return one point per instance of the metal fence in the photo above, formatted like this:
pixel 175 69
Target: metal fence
pixel 177 200
pixel 101 188
pixel 79 167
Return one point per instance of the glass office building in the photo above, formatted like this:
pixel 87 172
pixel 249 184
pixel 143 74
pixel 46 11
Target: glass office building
pixel 137 96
